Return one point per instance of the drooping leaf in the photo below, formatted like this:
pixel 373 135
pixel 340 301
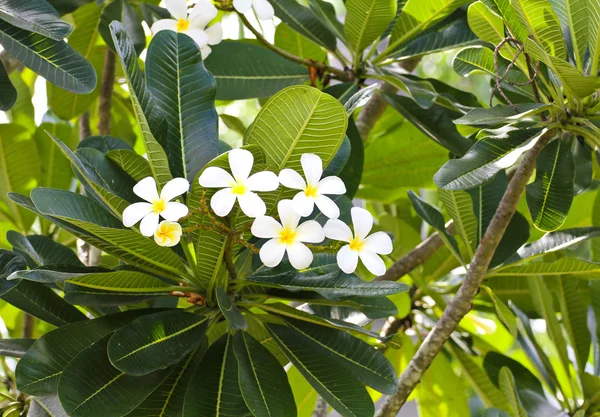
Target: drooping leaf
pixel 573 307
pixel 42 250
pixel 509 388
pixel 366 20
pixel 503 312
pixel 36 16
pixel 8 92
pixel 493 362
pixel 124 13
pixel 232 314
pixel 564 266
pixel 459 206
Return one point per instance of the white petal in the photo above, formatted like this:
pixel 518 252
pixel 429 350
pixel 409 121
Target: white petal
pixel 331 185
pixel 303 204
pixel 174 188
pixel 215 177
pixel 149 224
pixel 313 168
pixel 379 242
pixel 174 211
pixel 263 9
pixel 240 162
pixel 299 255
pixel 287 214
pixel 177 8
pixel 291 179
pixel 310 231
pixel 242 6
pixel 199 36
pixel 266 227
pixel 214 33
pixel 164 24
pixel 362 221
pixel 272 253
pixel 327 207
pixel 337 230
pixel 202 13
pixel 146 189
pixel 251 204
pixel 372 262
pixel 347 259
pixel 135 212
pixel 205 51
pixel 222 202
pixel 263 181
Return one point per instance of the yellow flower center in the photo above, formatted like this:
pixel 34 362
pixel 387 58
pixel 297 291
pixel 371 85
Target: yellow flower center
pixel 287 236
pixel 238 188
pixel 182 25
pixel 158 206
pixel 356 244
pixel 310 191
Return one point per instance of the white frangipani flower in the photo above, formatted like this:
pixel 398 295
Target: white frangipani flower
pixel 287 236
pixel 168 233
pixel 241 186
pixel 156 206
pixel 314 189
pixel 262 8
pixel 193 23
pixel 359 245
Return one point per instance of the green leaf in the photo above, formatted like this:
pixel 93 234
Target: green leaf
pixel 54 273
pixel 36 16
pixel 54 60
pixel 156 341
pixel 55 167
pixel 335 383
pixel 486 24
pixel 106 392
pixel 305 22
pixel 366 20
pixel 124 13
pixel 232 314
pixel 352 172
pixel 573 307
pixel 359 99
pixel 539 17
pixel 243 70
pixel 299 45
pixel 15 348
pixel 134 164
pixel 366 363
pixel 184 91
pixel 493 362
pixel 147 113
pixel 325 12
pixel 593 12
pixel 42 250
pixel 214 388
pixel 8 90
pixel 263 382
pixel 459 206
pixel 564 266
pixel 508 387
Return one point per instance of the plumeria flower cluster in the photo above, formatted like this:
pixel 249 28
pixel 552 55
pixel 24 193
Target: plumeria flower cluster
pixel 286 235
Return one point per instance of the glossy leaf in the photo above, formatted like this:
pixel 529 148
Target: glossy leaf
pixel 8 90
pixel 232 314
pixel 564 266
pixel 36 16
pixel 15 348
pixel 132 163
pixel 124 13
pixel 299 45
pixel 543 25
pixel 325 12
pixel 366 20
pixel 42 250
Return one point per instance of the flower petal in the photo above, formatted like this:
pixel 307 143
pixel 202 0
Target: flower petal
pixel 240 162
pixel 287 214
pixel 242 6
pixel 263 9
pixel 379 242
pixel 266 227
pixel 347 259
pixel 313 168
pixel 251 204
pixel 135 212
pixel 303 204
pixel 263 181
pixel 168 234
pixel 222 202
pixel 174 188
pixel 202 13
pixel 272 252
pixel 177 8
pixel 164 24
pixel 299 255
pixel 214 33
pixel 205 51
pixel 149 224
pixel 331 185
pixel 327 207
pixel 310 231
pixel 291 179
pixel 146 189
pixel 372 262
pixel 337 230
pixel 215 177
pixel 362 221
pixel 199 36
pixel 174 211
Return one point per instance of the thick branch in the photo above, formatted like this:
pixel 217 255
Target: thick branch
pixel 106 91
pixel 462 302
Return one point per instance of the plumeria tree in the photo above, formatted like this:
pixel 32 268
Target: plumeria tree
pixel 275 208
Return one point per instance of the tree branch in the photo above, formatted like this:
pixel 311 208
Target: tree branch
pixel 462 302
pixel 106 91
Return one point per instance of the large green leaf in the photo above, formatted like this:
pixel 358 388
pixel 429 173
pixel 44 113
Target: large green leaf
pixel 8 95
pixel 493 362
pixel 36 16
pixel 539 17
pixel 184 91
pixel 366 20
pixel 244 70
pixel 156 341
pixel 263 382
pixel 334 382
pixel 107 391
pixel 574 308
pixel 502 114
pixel 123 12
pixel 299 45
pixel 485 23
pixel 134 164
pixel 509 388
pixel 550 196
pixel 232 314
pixel 56 168
pixel 594 34
pixel 147 113
pixel 564 266
pixel 459 206
pixel 325 12
pixel 42 250
pixel 54 60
